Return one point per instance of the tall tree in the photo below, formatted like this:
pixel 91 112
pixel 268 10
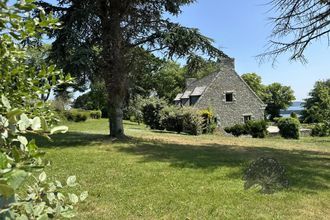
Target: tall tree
pixel 297 24
pixel 275 95
pixel 198 67
pixel 278 97
pixel 317 106
pixel 116 27
pixel 255 83
pixel 142 73
pixel 169 81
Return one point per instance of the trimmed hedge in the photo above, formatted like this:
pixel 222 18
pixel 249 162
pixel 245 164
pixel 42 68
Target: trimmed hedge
pixel 289 128
pixel 76 115
pixel 96 114
pixel 79 115
pixel 237 130
pixel 257 129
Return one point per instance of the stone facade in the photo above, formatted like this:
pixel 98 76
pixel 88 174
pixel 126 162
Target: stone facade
pixel 226 93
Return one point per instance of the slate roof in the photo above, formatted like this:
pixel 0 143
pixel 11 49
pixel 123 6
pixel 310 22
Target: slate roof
pixel 178 97
pixel 198 87
pixel 186 94
pixel 198 91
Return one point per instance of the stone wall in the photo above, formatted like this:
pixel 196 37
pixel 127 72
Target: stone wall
pixel 245 101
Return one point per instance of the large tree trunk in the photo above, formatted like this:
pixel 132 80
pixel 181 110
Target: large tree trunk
pixel 113 68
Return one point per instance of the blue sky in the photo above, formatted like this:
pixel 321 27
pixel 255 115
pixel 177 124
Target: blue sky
pixel 241 28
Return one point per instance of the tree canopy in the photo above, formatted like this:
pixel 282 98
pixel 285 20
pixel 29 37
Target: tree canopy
pixel 24 113
pixel 317 106
pixel 255 83
pixel 297 24
pixel 275 95
pixel 108 31
pixel 278 97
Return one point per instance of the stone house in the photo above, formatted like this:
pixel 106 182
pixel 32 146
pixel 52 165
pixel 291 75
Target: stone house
pixel 226 93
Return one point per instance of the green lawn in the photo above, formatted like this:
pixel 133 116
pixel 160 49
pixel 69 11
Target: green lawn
pixel 160 175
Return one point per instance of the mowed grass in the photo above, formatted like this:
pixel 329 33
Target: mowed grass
pixel 161 175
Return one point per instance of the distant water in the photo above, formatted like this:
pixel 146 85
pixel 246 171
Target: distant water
pixel 296 107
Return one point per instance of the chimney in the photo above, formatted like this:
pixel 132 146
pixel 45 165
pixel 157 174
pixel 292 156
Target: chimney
pixel 189 81
pixel 227 62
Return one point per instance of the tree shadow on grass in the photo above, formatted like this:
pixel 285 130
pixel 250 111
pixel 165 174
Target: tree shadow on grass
pixel 307 171
pixel 71 139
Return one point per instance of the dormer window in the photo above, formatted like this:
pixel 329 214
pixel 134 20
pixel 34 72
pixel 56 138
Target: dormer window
pixel 193 100
pixel 229 96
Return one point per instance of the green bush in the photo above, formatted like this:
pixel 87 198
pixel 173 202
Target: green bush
pixel 172 118
pixel 134 110
pixel 294 115
pixel 237 130
pixel 209 123
pixel 158 115
pixel 151 113
pixel 95 114
pixel 289 128
pixel 321 129
pixel 258 129
pixel 276 119
pixel 76 115
pixel 192 122
pixel 188 120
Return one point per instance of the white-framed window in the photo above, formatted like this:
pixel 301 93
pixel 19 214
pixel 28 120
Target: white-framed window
pixel 229 96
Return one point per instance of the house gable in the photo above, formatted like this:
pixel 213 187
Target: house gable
pixel 244 101
pixel 227 94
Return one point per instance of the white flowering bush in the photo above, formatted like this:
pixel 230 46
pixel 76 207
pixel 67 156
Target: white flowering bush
pixel 24 111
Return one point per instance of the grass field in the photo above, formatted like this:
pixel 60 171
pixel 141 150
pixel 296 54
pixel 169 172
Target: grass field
pixel 160 175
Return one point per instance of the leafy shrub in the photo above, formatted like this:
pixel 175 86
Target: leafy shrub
pixel 188 120
pixel 276 119
pixel 151 112
pixel 321 129
pixel 237 130
pixel 95 114
pixel 209 123
pixel 24 87
pixel 289 128
pixel 133 111
pixel 158 115
pixel 172 118
pixel 76 115
pixel 294 115
pixel 258 129
pixel 43 198
pixel 192 122
pixel 266 173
